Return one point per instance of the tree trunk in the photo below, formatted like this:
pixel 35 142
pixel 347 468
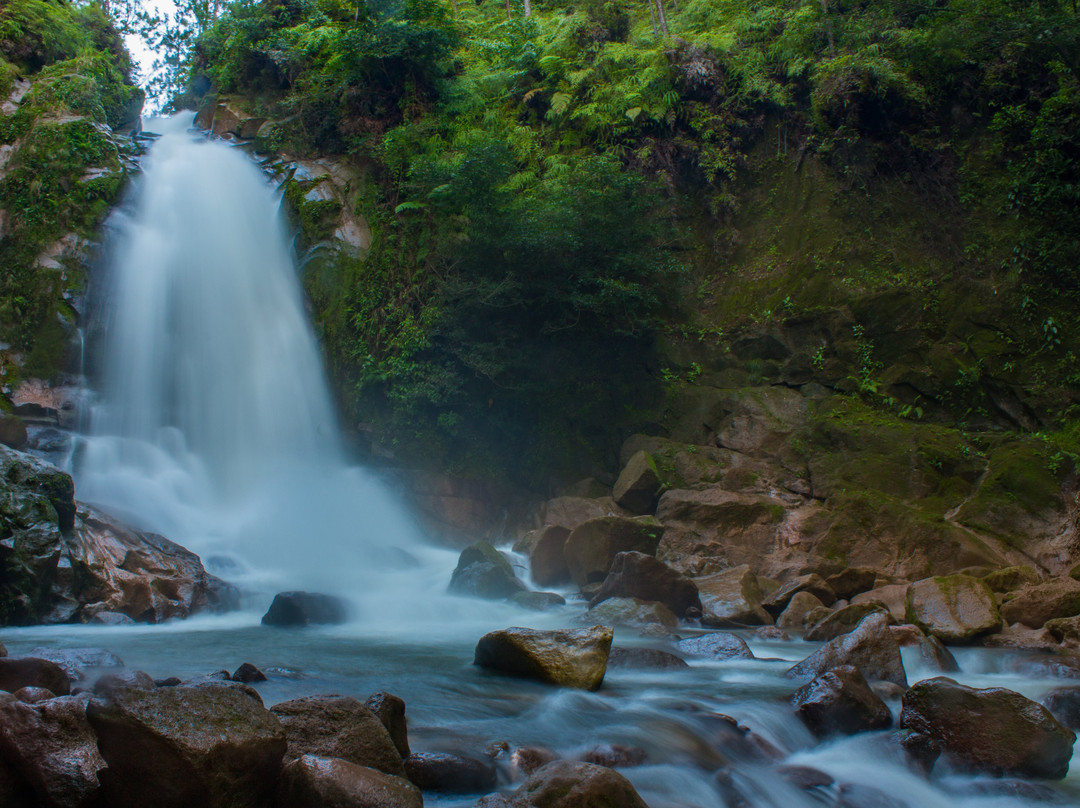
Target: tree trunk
pixel 663 16
pixel 528 8
pixel 828 28
pixel 652 13
pixel 508 17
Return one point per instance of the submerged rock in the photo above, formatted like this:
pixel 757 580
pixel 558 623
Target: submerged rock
pixel 994 730
pixel 574 784
pixel 641 576
pixel 840 701
pixel 953 608
pixel 719 645
pixel 538 601
pixel 645 659
pixel 570 658
pixel 870 648
pixel 615 755
pixel 631 612
pixel 1064 704
pixel 304 609
pixel 311 781
pixel 450 774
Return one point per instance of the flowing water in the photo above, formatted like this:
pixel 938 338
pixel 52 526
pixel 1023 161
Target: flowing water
pixel 215 428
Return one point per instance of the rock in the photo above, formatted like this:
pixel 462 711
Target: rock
pixel 52 747
pixel 547 560
pixel 20 672
pixel 994 730
pixel 390 710
pixel 932 651
pixel 852 581
pixel 794 617
pixel 1064 629
pixel 3 650
pixel 718 645
pixel 338 727
pixel 854 795
pixel 1020 637
pixel 842 621
pixel 538 601
pixel 729 740
pixel 1035 605
pixel 887 691
pixel 32 695
pixel 732 599
pixel 645 659
pixel 248 673
pixel 840 701
pixel 572 784
pixel 113 682
pixel 641 576
pixel 892 596
pixel 570 512
pixel 919 750
pixel 311 781
pixel 527 759
pixel 304 609
pixel 953 608
pixel 870 648
pixel 638 487
pixel 570 658
pixel 813 583
pixel 1064 704
pixel 450 774
pixel 175 747
pixel 631 612
pixel 483 572
pixel 615 755
pixel 170 681
pixel 805 777
pixel 592 546
pixel 771 634
pixel 12 431
pixel 1010 579
pixel 78 662
pixel 111 619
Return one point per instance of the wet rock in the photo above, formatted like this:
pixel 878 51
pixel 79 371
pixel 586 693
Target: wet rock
pixel 338 727
pixel 799 608
pixel 632 613
pixel 111 619
pixel 1064 629
pixel 1035 605
pixel 450 774
pixel 919 749
pixel 842 621
pixel 390 710
pixel 932 651
pixel 892 596
pixel 32 695
pixel 170 681
pixel 305 609
pixel 852 581
pixel 571 511
pixel 719 645
pixel 953 608
pixel 547 559
pixel 573 784
pixel 1020 637
pixel 771 634
pixel 887 691
pixel 538 601
pixel 592 546
pixel 994 730
pixel 732 599
pixel 1064 704
pixel 311 781
pixel 113 682
pixel 176 747
pixel 248 673
pixel 20 672
pixel 638 487
pixel 615 755
pixel 854 795
pixel 641 576
pixel 52 747
pixel 733 741
pixel 497 801
pixel 870 648
pixel 1010 579
pixel 1056 665
pixel 79 662
pixel 813 583
pixel 805 777
pixel 527 759
pixel 569 658
pixel 645 659
pixel 12 431
pixel 483 572
pixel 840 701
pixel 3 651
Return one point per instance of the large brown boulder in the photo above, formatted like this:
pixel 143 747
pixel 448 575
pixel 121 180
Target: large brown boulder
pixel 569 511
pixel 1009 579
pixel 174 747
pixel 305 609
pixel 450 774
pixel 732 599
pixel 390 710
pixel 483 572
pixel 840 701
pixel 953 608
pixel 870 648
pixel 592 546
pixel 813 583
pixel 1035 605
pixel 570 658
pixel 320 782
pixel 573 784
pixel 892 596
pixel 1064 704
pixel 852 581
pixel 798 611
pixel 19 672
pixel 338 727
pixel 632 613
pixel 53 748
pixel 842 621
pixel 994 730
pixel 638 487
pixel 636 575
pixel 547 559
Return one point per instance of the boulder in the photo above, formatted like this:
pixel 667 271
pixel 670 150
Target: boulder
pixel 771 634
pixel 574 784
pixel 305 609
pixel 538 601
pixel 857 795
pixel 32 695
pixel 483 572
pixel 547 560
pixel 52 747
pixel 918 749
pixel 994 730
pixel 571 511
pixel 614 755
pixel 390 710
pixel 1010 579
pixel 799 608
pixel 12 431
pixel 570 658
pixel 338 727
pixel 840 701
pixel 852 581
pixel 638 487
pixel 641 576
pixel 842 621
pixel 932 651
pixel 1064 704
pixel 174 747
pixel 111 619
pixel 592 546
pixel 1064 629
pixel 311 781
pixel 19 672
pixel 813 584
pixel 870 648
pixel 79 663
pixel 121 680
pixel 953 608
pixel 632 613
pixel 645 659
pixel 248 673
pixel 1035 605
pixel 527 759
pixel 892 596
pixel 719 645
pixel 732 599
pixel 449 774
